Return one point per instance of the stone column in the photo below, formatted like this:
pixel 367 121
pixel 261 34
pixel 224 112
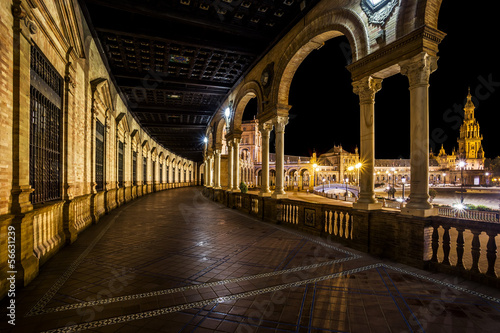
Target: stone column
pixel 418 69
pixel 265 129
pixel 279 127
pixel 209 169
pixel 230 165
pixel 236 165
pixel 21 208
pixel 366 89
pixel 217 169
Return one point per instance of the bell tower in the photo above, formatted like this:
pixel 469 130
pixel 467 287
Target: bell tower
pixel 469 144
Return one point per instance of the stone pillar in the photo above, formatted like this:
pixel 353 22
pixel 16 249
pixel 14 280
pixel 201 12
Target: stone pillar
pixel 217 169
pixel 366 89
pixel 279 127
pixel 26 263
pixel 265 129
pixel 236 165
pixel 418 69
pixel 230 165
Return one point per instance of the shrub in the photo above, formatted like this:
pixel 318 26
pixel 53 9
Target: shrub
pixel 432 194
pixel 243 187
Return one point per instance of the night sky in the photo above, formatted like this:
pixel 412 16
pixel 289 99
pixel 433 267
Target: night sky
pixel 325 111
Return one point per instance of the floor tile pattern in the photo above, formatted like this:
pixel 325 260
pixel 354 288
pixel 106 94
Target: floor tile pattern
pixel 176 262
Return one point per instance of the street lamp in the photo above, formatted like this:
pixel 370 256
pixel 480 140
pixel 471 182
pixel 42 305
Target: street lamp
pixel 486 180
pixel 345 180
pixel 358 166
pixel 403 180
pixel 315 167
pixel 350 169
pixel 461 164
pixel 444 179
pixel 323 185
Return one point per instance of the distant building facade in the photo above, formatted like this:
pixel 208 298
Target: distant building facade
pixel 338 165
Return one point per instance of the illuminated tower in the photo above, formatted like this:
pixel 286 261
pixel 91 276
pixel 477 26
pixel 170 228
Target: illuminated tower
pixel 469 144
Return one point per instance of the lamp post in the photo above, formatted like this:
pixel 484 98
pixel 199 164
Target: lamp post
pixel 315 167
pixel 358 166
pixel 403 180
pixel 350 169
pixel 393 182
pixel 486 182
pixel 345 180
pixel 461 164
pixel 323 185
pixel 444 179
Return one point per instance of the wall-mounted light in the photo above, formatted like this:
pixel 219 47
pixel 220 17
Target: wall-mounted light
pixel 205 140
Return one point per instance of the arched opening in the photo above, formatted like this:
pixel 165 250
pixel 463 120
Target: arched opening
pixel 325 111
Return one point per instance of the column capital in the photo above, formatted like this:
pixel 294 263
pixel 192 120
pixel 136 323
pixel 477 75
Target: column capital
pixel 419 68
pixel 366 88
pixel 279 123
pixel 265 128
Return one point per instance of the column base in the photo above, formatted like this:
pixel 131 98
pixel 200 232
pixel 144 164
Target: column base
pixel 367 206
pixel 235 190
pixel 277 195
pixel 217 188
pixel 265 194
pixel 419 212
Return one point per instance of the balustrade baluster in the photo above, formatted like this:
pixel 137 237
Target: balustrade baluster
pixel 335 224
pixel 435 243
pixel 348 226
pixel 446 246
pixel 475 251
pixel 460 248
pixel 344 222
pixel 330 226
pixel 352 227
pixel 491 253
pixel 326 221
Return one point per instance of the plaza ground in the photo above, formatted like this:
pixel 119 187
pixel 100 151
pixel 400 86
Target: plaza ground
pixel 173 261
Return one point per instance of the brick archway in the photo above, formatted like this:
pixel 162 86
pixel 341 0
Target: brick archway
pixel 248 91
pixel 333 24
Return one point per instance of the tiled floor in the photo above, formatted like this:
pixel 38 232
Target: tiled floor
pixel 176 262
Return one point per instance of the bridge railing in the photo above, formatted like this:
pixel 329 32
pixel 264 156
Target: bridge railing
pixel 473 215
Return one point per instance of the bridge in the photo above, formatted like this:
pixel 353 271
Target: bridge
pixel 354 190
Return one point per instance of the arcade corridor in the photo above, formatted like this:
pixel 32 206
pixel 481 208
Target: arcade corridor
pixel 174 261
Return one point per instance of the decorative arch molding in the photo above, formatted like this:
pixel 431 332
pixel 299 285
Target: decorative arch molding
pixel 145 147
pixel 154 153
pixel 219 130
pixel 248 91
pixel 101 94
pixel 135 140
pixel 122 125
pixel 330 25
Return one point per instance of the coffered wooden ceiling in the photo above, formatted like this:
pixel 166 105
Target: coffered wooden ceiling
pixel 175 60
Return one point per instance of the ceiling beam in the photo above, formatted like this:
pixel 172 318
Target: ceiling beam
pixel 211 46
pixel 163 78
pixel 175 126
pixel 206 91
pixel 177 16
pixel 169 112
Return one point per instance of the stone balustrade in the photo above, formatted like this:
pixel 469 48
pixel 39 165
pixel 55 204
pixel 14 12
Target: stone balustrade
pixel 461 247
pixel 475 215
pixel 42 232
pixel 48 235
